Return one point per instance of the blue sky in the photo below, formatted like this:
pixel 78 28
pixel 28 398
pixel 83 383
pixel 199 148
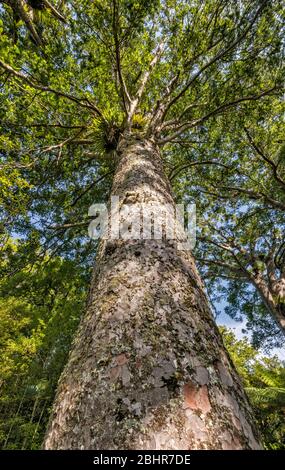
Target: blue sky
pixel 237 327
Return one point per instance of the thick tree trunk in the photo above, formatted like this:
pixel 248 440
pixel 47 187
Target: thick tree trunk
pixel 148 369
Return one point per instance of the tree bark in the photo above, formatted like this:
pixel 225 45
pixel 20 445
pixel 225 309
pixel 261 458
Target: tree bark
pixel 273 296
pixel 148 369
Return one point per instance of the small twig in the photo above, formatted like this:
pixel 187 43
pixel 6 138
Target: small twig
pixel 174 173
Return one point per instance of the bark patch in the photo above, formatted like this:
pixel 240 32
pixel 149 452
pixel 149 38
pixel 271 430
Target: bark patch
pixel 196 398
pixel 121 359
pixel 120 369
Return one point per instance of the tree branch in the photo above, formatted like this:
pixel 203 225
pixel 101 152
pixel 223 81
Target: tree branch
pixel 162 103
pixel 83 102
pixel 54 11
pixel 184 167
pixel 23 11
pixel 187 125
pixel 145 79
pixel 61 126
pixel 239 272
pixel 124 91
pixel 69 225
pixel 218 56
pixel 61 144
pixel 265 158
pixel 90 187
pixel 252 195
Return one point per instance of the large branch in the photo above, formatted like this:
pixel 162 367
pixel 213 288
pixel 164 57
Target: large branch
pixel 123 87
pixel 22 10
pixel 217 57
pixel 252 195
pixel 83 102
pixel 144 80
pixel 189 124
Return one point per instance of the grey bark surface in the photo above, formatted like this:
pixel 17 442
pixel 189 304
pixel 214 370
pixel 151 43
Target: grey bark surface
pixel 148 369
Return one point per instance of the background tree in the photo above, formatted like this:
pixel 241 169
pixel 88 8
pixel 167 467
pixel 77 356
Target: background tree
pixel 264 379
pixel 241 214
pixel 40 309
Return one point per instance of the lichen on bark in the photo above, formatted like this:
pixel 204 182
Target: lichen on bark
pixel 148 369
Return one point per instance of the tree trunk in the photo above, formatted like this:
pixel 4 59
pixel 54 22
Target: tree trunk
pixel 273 297
pixel 148 369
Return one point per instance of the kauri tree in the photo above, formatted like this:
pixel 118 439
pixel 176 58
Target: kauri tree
pixel 98 105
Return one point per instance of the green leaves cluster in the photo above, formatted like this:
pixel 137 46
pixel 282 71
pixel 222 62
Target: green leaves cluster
pixel 39 311
pixel 264 379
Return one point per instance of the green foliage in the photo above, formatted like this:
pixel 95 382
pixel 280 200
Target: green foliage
pixel 264 379
pixel 139 122
pixel 239 189
pixel 39 312
pixel 105 135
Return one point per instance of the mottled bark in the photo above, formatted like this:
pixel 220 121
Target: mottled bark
pixel 148 369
